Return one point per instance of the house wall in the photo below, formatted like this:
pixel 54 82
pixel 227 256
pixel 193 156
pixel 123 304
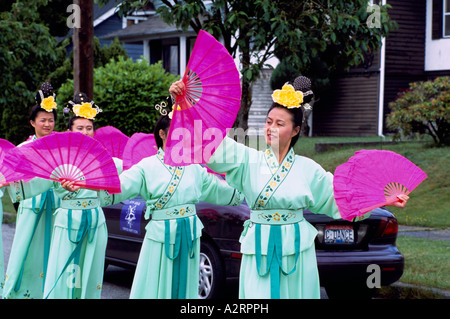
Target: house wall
pixel 437 50
pixel 405 48
pixel 114 23
pixel 350 107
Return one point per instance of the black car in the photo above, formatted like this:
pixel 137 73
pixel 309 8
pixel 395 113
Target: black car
pixel 353 258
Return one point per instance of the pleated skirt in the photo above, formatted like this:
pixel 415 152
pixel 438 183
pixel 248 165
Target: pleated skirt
pixel 82 278
pixel 154 272
pixel 303 283
pixel 27 253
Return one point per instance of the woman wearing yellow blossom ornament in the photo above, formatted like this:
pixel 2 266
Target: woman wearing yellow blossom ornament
pixel 277 244
pixel 28 259
pixel 77 252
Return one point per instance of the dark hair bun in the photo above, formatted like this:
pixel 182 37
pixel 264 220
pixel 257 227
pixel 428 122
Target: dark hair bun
pixel 46 90
pixel 302 83
pixel 80 97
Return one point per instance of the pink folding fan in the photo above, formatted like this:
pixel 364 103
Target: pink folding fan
pixel 7 170
pixel 139 146
pixel 112 139
pixel 372 179
pixel 72 156
pixel 207 108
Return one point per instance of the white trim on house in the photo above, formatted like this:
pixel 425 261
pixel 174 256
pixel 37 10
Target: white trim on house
pixel 105 16
pixel 437 52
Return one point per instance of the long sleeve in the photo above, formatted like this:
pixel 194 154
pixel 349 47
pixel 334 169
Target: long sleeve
pixel 132 183
pixel 218 192
pixel 20 190
pixel 323 201
pixel 234 159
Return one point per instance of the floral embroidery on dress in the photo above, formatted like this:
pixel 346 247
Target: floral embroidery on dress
pixel 71 195
pixel 279 173
pixel 177 173
pixel 276 217
pixel 179 212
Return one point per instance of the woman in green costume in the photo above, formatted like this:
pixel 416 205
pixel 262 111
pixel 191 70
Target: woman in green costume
pixel 77 252
pixel 27 266
pixel 277 243
pixel 168 266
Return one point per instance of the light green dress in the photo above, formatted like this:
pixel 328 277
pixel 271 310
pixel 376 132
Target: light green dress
pixel 27 265
pixel 2 266
pixel 277 243
pixel 77 251
pixel 168 265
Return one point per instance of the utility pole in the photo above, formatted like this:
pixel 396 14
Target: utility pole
pixel 83 49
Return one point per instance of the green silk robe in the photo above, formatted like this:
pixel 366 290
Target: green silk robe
pixel 79 237
pixel 28 260
pixel 171 193
pixel 277 195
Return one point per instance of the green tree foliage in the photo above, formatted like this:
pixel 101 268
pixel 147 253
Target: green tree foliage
pixel 102 55
pixel 423 108
pixel 330 34
pixel 28 53
pixel 127 92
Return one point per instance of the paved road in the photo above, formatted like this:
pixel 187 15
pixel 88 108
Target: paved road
pixel 425 232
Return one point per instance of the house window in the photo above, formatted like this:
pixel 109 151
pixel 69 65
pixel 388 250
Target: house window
pixel 446 20
pixel 190 46
pixel 167 51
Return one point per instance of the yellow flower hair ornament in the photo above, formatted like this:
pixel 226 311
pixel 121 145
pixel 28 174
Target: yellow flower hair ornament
pixel 48 103
pixel 288 96
pixel 88 110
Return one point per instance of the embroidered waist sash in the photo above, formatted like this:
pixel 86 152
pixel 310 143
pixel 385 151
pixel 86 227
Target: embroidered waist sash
pixel 276 216
pixel 179 211
pixel 80 204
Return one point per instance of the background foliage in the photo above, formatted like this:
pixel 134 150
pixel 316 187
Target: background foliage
pixel 27 54
pixel 423 109
pixel 126 91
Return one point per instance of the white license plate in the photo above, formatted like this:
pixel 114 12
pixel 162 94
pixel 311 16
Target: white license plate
pixel 339 234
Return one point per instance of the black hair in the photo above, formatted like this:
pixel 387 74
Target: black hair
pixel 303 84
pixel 163 123
pixel 46 90
pixel 78 98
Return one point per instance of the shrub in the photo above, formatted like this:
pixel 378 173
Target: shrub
pixel 423 108
pixel 126 91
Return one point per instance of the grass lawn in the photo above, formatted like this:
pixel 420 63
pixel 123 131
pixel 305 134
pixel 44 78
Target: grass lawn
pixel 427 261
pixel 429 203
